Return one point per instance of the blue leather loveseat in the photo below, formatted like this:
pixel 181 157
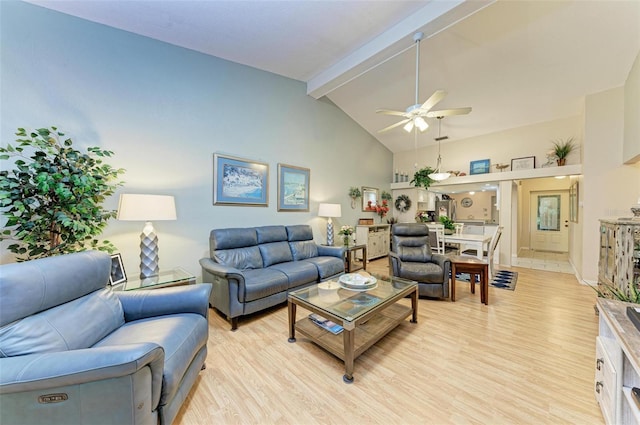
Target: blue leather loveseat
pixel 254 268
pixel 73 351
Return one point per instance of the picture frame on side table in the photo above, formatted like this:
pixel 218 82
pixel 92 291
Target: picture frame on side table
pixel 239 181
pixel 524 163
pixel 481 166
pixel 293 188
pixel 118 274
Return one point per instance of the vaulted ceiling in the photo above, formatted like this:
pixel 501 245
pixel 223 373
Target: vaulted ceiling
pixel 514 62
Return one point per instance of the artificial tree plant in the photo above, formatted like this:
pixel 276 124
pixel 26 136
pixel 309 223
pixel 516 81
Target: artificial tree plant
pixel 52 198
pixel 421 177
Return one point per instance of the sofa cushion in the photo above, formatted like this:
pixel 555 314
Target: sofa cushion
pixel 299 232
pixel 77 324
pixel 298 272
pixel 275 252
pixel 180 335
pixel 268 234
pixel 327 266
pixel 232 238
pixel 240 258
pixel 303 249
pixel 262 283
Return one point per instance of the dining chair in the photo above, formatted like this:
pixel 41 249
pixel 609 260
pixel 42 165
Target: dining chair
pixel 436 234
pixel 488 255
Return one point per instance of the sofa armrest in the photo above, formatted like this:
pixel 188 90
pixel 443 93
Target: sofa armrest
pixel 440 260
pixel 394 264
pixel 221 270
pixel 164 301
pixel 331 251
pixel 34 372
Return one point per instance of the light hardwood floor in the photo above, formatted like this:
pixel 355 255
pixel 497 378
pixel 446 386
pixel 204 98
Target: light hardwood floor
pixel 526 358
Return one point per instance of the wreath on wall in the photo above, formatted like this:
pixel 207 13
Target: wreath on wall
pixel 403 203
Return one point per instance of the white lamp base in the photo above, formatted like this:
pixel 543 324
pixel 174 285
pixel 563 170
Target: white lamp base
pixel 148 252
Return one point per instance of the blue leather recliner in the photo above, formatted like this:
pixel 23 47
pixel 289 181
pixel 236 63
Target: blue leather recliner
pixel 73 351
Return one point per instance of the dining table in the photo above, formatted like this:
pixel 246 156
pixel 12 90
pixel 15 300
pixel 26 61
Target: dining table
pixel 477 242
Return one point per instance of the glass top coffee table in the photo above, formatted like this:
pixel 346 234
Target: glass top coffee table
pixel 365 316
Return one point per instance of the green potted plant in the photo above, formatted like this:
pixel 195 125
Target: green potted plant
pixel 421 177
pixel 53 197
pixel 447 222
pixel 562 149
pixel 354 193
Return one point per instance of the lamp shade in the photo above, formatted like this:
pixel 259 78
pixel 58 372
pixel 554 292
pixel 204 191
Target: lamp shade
pixel 330 210
pixel 134 207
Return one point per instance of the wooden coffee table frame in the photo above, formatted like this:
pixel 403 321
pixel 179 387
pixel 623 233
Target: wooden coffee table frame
pixel 358 335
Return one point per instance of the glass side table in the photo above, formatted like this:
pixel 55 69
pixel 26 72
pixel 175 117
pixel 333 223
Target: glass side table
pixel 351 262
pixel 174 277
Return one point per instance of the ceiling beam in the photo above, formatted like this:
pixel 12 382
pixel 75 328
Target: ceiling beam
pixel 436 16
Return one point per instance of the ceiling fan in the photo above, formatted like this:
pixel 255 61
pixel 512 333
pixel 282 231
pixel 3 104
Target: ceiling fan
pixel 414 116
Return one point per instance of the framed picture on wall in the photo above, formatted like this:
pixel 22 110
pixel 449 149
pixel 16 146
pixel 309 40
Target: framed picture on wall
pixel 293 188
pixel 525 163
pixel 238 181
pixel 573 202
pixel 117 270
pixel 481 166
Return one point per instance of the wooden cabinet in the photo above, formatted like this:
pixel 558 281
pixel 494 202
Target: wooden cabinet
pixel 617 365
pixel 376 238
pixel 619 262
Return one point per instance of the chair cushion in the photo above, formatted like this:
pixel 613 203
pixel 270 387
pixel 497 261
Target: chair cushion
pixel 298 272
pixel 240 258
pixel 180 335
pixel 422 272
pixel 275 252
pixel 420 253
pixel 302 250
pixel 262 283
pixel 77 324
pixel 327 266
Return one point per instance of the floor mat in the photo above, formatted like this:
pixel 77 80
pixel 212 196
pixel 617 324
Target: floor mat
pixel 504 279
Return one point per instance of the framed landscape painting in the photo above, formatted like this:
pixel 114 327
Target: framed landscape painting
pixel 481 166
pixel 293 188
pixel 238 181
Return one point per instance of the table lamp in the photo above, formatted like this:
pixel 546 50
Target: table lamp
pixel 329 211
pixel 146 208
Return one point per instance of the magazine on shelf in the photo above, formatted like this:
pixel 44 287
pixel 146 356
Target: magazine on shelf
pixel 327 324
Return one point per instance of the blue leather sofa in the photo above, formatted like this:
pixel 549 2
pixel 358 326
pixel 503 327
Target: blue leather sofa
pixel 254 268
pixel 73 351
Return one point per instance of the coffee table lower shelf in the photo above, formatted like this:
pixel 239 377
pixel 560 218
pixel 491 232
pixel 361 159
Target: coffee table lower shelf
pixel 364 335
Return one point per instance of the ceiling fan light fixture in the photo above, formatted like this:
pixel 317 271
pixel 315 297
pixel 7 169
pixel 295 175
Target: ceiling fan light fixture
pixel 408 126
pixel 421 124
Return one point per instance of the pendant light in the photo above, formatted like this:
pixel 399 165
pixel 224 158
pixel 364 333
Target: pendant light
pixel 438 175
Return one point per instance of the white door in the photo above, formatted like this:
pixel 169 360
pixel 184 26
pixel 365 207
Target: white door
pixel 550 221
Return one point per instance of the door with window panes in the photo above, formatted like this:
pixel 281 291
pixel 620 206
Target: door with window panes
pixel 550 221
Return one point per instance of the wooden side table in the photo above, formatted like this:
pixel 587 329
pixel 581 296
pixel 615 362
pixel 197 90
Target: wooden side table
pixel 473 266
pixel 350 258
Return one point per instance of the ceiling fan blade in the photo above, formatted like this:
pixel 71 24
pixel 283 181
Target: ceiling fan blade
pixel 449 112
pixel 390 112
pixel 436 97
pixel 391 127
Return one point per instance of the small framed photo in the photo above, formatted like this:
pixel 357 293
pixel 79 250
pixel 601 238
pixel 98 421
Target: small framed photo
pixel 117 270
pixel 481 166
pixel 293 188
pixel 525 163
pixel 238 181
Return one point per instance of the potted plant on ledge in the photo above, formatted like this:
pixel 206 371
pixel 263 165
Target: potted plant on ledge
pixel 562 149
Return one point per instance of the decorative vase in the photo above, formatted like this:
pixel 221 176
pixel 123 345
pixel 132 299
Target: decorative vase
pixel 345 241
pixel 561 161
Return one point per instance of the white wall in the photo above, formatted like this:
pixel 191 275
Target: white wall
pixel 164 111
pixel 631 151
pixel 500 148
pixel 609 187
